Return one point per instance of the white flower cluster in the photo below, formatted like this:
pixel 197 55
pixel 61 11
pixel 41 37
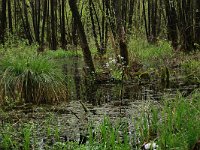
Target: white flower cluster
pixel 112 61
pixel 107 65
pixel 152 146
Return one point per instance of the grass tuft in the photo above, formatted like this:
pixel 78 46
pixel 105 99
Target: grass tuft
pixel 34 79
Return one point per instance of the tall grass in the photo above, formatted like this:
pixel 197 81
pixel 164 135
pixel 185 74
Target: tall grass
pixel 176 125
pixel 150 54
pixel 31 77
pixel 59 54
pixel 173 125
pixel 191 70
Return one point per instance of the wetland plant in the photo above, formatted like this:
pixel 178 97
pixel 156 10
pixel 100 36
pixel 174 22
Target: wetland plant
pixel 191 70
pixel 27 131
pixel 174 125
pixel 59 54
pixel 178 126
pixel 31 78
pixel 150 54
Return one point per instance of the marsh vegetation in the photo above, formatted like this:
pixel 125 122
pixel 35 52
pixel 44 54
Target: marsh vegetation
pixel 101 74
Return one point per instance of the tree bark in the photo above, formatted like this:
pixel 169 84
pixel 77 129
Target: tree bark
pixel 171 23
pixel 44 21
pixel 197 22
pixel 53 26
pixel 121 33
pixel 63 31
pixel 83 39
pixel 3 22
pixel 93 26
pixel 26 23
pixel 10 17
pixel 130 15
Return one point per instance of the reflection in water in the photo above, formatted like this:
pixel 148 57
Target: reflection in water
pixel 77 78
pixel 99 94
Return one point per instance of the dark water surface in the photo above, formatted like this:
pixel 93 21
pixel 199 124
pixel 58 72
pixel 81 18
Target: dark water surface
pixel 112 99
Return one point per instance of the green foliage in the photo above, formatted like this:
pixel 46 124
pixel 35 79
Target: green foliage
pixel 31 77
pixel 58 54
pixel 178 126
pixel 7 139
pixel 109 136
pixel 191 66
pixel 150 55
pixel 174 125
pixel 116 69
pixel 117 75
pixel 27 130
pixel 191 70
pixel 181 128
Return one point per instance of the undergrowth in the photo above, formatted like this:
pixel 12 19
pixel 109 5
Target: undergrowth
pixel 148 54
pixel 173 125
pixel 191 70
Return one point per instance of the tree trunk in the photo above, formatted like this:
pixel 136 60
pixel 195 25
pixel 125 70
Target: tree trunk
pixel 27 24
pixel 3 21
pixel 63 31
pixel 84 44
pixel 121 33
pixel 197 22
pixel 53 26
pixel 171 23
pixel 145 19
pixel 93 27
pixel 10 17
pixel 130 15
pixel 43 26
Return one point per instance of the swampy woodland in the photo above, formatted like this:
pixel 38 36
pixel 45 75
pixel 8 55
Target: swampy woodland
pixel 99 75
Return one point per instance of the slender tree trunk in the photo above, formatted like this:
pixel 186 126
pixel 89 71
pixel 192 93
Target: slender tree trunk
pixel 197 22
pixel 84 44
pixel 27 24
pixel 3 21
pixel 63 31
pixel 103 34
pixel 149 18
pixel 171 23
pixel 93 27
pixel 15 14
pixel 186 25
pixel 10 17
pixel 34 13
pixel 130 16
pixel 154 22
pixel 36 18
pixel 145 19
pixel 112 19
pixel 74 33
pixel 48 38
pixel 53 26
pixel 43 25
pixel 121 33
